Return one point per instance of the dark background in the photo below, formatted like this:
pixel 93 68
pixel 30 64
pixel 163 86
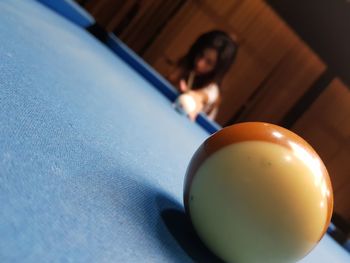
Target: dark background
pixel 325 26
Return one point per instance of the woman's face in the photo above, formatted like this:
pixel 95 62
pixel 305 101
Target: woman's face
pixel 206 61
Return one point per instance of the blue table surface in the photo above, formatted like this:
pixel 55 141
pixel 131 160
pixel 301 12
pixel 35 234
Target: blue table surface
pixel 90 153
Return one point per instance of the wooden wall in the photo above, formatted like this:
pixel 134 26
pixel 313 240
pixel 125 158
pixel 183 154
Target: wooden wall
pixel 274 68
pixel 136 22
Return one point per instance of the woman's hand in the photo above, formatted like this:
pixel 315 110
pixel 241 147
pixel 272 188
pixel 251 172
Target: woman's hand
pixel 199 104
pixel 199 97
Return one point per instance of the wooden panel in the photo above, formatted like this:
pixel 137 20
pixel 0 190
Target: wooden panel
pixel 269 37
pixel 198 24
pixel 222 8
pixel 135 22
pixel 177 38
pixel 334 106
pixel 169 35
pixel 262 31
pixel 290 80
pixel 322 139
pixel 142 27
pixel 124 11
pixel 323 126
pixel 344 125
pixel 339 169
pixel 240 82
pixel 342 198
pixel 245 14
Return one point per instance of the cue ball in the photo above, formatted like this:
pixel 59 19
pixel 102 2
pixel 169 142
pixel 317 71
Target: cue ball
pixel 256 192
pixel 186 102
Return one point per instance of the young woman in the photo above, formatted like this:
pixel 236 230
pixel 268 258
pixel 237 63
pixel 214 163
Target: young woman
pixel 200 72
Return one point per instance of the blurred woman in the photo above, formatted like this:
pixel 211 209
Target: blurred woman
pixel 200 72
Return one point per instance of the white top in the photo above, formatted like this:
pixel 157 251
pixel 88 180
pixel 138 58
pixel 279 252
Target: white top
pixel 212 92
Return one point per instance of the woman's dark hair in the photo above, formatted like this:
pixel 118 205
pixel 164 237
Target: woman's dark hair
pixel 226 49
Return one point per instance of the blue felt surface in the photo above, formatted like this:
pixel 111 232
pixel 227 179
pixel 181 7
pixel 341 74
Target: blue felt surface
pixel 117 46
pixel 90 153
pixel 328 250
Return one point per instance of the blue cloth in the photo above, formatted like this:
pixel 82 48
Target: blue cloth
pixel 92 157
pixel 328 250
pixel 90 153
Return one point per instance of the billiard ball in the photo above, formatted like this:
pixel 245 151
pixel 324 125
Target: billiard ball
pixel 256 192
pixel 186 103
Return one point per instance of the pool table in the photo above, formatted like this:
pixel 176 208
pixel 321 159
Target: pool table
pixel 92 155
